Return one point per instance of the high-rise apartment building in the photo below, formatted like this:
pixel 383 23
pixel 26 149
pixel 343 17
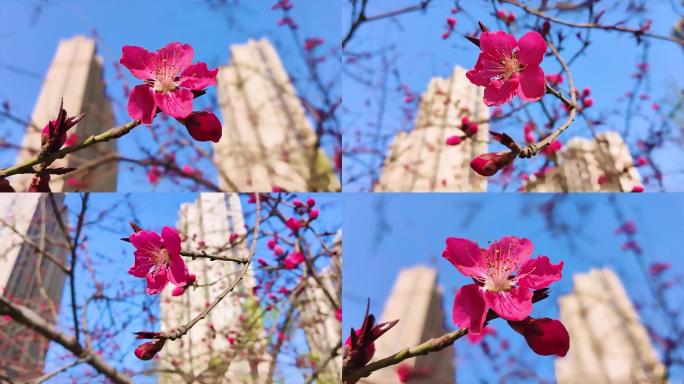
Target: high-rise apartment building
pixel 28 231
pixel 420 161
pixel 268 141
pixel 76 77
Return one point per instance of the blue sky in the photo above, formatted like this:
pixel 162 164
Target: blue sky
pixel 112 258
pixel 25 44
pixel 387 232
pixel 421 54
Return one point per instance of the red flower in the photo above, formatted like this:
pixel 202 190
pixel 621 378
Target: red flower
pixel 506 67
pixel 294 224
pixel 545 336
pixel 169 78
pixel 157 259
pixel 54 133
pixel 293 260
pixel 504 278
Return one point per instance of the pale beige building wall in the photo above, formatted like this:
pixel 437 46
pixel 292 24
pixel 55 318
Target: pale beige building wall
pixel 420 161
pixel 608 343
pixel 205 352
pixel 416 301
pixel 267 139
pixel 29 278
pixel 582 161
pixel 317 315
pixel 75 75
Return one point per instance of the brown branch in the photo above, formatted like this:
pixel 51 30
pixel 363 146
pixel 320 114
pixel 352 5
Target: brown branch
pixel 34 321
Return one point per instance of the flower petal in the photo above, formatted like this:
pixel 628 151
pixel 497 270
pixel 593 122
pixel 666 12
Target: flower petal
pixel 141 104
pixel 203 126
pixel 515 250
pixel 198 76
pixel 146 241
pixel 532 84
pixel 174 57
pixel 465 256
pixel 498 93
pixel 499 44
pixel 539 273
pixel 532 48
pixel 156 281
pixel 139 61
pixel 172 241
pixel 469 308
pixel 177 103
pixel 514 304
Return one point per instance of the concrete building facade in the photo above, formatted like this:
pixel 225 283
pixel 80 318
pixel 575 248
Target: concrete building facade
pixel 76 77
pixel 609 345
pixel 267 139
pixel 420 161
pixel 317 315
pixel 29 278
pixel 417 301
pixel 603 164
pixel 226 346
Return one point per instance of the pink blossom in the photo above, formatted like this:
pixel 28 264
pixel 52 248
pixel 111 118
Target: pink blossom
pixel 149 349
pixel 157 259
pixel 640 161
pixel 504 278
pixel 169 78
pixel 506 67
pixel 637 189
pixel 453 140
pixel 545 336
pixel 313 214
pixel 310 202
pixel 631 245
pixel 657 268
pixel 293 260
pixel 628 228
pixel 311 43
pixel 293 223
pixel 359 347
pixel 490 163
pixel 552 148
pixel 203 126
pixel 153 175
pixel 54 134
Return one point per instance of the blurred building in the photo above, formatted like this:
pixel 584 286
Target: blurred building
pixel 267 139
pixel 417 301
pixel 317 315
pixel 75 76
pixel 420 161
pixel 603 164
pixel 28 224
pixel 227 346
pixel 608 343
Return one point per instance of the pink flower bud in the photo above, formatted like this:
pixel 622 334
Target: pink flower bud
pixel 179 290
pixel 313 214
pixel 203 126
pixel 489 164
pixel 453 140
pixel 147 350
pixel 545 336
pixel 293 224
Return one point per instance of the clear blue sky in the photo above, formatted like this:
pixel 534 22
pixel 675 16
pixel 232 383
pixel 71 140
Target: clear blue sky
pixel 416 226
pixel 112 258
pixel 28 39
pixel 421 54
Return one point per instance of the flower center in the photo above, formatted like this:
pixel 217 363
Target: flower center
pixel 162 257
pixel 509 67
pixel 164 84
pixel 500 266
